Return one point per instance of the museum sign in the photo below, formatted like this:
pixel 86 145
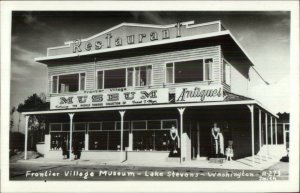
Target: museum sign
pixel 110 98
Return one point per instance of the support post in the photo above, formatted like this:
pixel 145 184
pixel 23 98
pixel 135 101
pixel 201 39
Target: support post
pixel 272 141
pixel 181 111
pixel 267 138
pixel 198 140
pixel 122 127
pixel 276 142
pixel 86 142
pixel 251 108
pixel 260 140
pixel 284 134
pixel 71 115
pixel 26 136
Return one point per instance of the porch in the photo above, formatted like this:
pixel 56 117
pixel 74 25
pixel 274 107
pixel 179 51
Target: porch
pixel 248 125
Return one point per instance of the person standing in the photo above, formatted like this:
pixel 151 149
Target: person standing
pixel 217 141
pixel 175 138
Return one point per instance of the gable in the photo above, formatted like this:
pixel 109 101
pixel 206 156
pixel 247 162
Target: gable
pixel 127 34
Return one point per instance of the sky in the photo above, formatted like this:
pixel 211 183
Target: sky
pixel 264 35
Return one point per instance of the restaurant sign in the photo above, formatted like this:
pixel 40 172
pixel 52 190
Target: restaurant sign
pixel 201 93
pixel 110 98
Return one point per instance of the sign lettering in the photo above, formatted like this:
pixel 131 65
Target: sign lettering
pixel 130 39
pixel 111 98
pixel 199 93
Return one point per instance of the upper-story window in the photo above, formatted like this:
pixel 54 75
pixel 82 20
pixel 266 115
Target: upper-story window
pixel 143 75
pixel 189 71
pixel 68 83
pixel 226 72
pixel 131 76
pixel 115 78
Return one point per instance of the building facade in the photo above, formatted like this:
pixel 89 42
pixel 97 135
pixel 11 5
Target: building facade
pixel 118 94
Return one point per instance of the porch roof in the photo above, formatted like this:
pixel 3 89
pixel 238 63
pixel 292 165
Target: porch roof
pixel 231 99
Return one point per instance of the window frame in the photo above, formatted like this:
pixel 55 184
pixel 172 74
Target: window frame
pixel 224 62
pixel 186 60
pixel 126 76
pixel 62 74
pixel 103 73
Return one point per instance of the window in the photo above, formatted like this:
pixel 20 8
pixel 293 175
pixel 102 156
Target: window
pixel 79 127
pixel 167 124
pixel 108 125
pixel 189 71
pixel 126 125
pixel 107 140
pixel 82 81
pixel 139 125
pixel 226 72
pixel 170 73
pixel 208 69
pixel 55 127
pixel 68 83
pixel 66 126
pixel 153 136
pixel 152 140
pixel 133 76
pixel 54 84
pixel 115 78
pixel 100 80
pixel 94 126
pixel 154 124
pixel 143 75
pixel 130 76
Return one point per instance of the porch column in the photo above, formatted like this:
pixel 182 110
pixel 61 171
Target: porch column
pixel 71 115
pixel 251 108
pixel 26 136
pixel 259 122
pixel 266 125
pixel 271 130
pixel 198 140
pixel 284 134
pixel 122 127
pixel 86 142
pixel 276 142
pixel 181 111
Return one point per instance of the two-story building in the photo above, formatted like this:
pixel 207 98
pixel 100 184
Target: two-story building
pixel 118 93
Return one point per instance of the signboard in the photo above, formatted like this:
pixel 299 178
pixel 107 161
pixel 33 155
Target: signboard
pixel 110 98
pixel 201 93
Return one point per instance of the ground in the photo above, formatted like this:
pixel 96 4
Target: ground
pixel 50 172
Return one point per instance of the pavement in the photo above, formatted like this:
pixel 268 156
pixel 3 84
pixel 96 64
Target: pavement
pixel 259 163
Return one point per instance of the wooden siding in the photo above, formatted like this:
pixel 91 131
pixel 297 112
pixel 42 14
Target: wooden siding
pixel 226 87
pixel 157 61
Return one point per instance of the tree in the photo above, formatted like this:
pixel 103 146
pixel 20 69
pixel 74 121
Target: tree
pixel 12 111
pixel 36 123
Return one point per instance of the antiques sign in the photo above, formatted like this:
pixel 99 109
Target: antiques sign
pixel 201 93
pixel 110 98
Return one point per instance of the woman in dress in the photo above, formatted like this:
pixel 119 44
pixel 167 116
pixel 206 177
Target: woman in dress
pixel 175 138
pixel 217 141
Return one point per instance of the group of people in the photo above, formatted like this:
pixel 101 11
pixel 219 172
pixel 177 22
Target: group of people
pixel 217 143
pixel 76 150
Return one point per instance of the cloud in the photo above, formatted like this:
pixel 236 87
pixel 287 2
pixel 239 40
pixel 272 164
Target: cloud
pixel 22 61
pixel 34 22
pixel 152 17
